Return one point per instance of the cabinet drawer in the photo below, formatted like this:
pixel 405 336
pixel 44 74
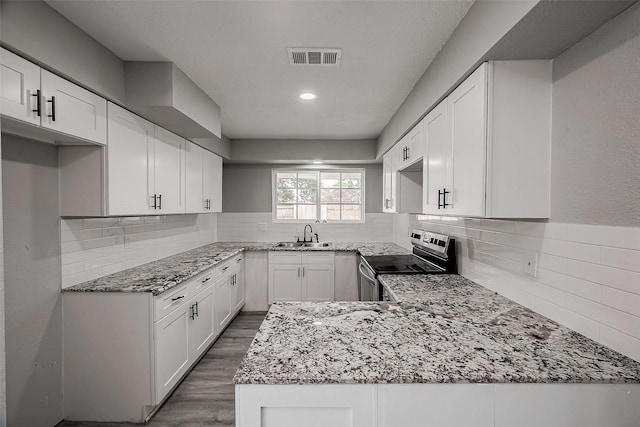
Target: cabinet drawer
pixel 285 257
pixel 202 281
pixel 168 301
pixel 318 257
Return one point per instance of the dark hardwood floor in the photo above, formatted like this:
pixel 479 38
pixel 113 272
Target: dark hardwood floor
pixel 206 397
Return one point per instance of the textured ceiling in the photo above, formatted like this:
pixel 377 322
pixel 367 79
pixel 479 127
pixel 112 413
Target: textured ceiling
pixel 236 51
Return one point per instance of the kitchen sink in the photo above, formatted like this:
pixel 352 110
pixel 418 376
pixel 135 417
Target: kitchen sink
pixel 316 245
pixel 304 245
pixel 289 244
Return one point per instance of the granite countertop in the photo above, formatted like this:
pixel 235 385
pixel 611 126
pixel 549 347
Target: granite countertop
pixel 159 276
pixel 442 329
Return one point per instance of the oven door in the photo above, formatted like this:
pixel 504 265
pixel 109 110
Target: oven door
pixel 368 283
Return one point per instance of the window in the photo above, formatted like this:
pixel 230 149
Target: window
pixel 332 195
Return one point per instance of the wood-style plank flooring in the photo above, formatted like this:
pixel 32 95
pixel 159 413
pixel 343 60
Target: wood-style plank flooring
pixel 206 397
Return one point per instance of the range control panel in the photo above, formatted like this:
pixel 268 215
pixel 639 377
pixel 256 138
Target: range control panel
pixel 435 242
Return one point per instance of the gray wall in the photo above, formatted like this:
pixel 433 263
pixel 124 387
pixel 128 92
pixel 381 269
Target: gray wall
pixel 303 150
pixel 247 188
pixel 36 30
pixel 33 309
pixel 595 176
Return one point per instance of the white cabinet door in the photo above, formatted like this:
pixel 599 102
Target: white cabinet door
pixel 202 324
pixel 195 178
pixel 221 304
pixel 19 93
pixel 389 181
pixel 171 350
pixel 212 185
pixel 130 141
pixel 169 171
pixel 70 109
pixel 285 282
pixel 467 114
pixel 410 148
pixel 318 282
pixel 436 158
pixel 237 286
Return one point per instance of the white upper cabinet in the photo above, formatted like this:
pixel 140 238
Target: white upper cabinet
pixel 390 186
pixel 20 92
pixel 411 147
pixel 196 201
pixel 212 184
pixel 146 166
pixel 36 100
pixel 436 157
pixel 493 158
pixel 204 180
pixel 128 158
pixel 72 110
pixel 467 109
pixel 168 167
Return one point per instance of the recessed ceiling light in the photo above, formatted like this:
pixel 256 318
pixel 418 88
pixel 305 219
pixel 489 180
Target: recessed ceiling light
pixel 317 162
pixel 308 96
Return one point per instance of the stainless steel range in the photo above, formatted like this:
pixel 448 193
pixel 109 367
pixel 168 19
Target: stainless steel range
pixel 433 253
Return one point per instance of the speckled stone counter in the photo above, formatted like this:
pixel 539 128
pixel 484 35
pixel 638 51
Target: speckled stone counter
pixel 443 329
pixel 161 275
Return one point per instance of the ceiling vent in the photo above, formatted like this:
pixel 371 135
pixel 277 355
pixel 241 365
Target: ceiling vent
pixel 314 56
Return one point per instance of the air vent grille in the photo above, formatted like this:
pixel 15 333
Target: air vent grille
pixel 314 56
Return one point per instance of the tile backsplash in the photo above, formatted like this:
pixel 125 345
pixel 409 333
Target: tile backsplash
pixel 259 227
pixel 95 247
pixel 588 277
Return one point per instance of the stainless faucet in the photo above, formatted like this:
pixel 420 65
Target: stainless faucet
pixel 304 235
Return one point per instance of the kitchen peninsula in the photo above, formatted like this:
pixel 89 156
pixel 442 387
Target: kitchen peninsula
pixel 447 352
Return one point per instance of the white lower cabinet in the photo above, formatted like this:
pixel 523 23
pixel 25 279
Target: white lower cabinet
pixel 301 276
pixel 171 351
pixel 342 405
pixel 202 323
pixel 125 352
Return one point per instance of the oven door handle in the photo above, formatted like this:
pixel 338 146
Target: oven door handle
pixel 361 268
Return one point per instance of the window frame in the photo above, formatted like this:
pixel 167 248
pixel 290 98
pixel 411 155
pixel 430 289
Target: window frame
pixel 274 199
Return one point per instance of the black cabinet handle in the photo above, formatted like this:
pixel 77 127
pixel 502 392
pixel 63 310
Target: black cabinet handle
pixel 444 198
pixel 206 280
pixel 38 109
pixel 155 202
pixel 177 298
pixel 160 201
pixel 197 312
pixel 439 196
pixel 53 109
pixel 193 312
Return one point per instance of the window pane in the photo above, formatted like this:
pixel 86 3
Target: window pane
pixel 307 212
pixel 308 180
pixel 308 196
pixel 286 180
pixel 286 212
pixel 351 180
pixel 351 213
pixel 351 196
pixel 330 195
pixel 331 212
pixel 286 195
pixel 330 180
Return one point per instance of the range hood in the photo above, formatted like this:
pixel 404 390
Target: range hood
pixel 162 93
